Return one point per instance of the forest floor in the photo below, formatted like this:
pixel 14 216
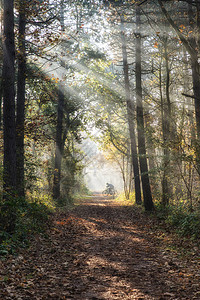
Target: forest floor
pixel 99 250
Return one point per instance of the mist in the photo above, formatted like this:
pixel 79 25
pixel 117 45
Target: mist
pixel 99 170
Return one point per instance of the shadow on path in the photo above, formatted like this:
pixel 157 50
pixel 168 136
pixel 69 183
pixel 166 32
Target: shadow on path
pixel 100 250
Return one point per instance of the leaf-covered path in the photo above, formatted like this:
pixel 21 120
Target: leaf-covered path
pixel 99 250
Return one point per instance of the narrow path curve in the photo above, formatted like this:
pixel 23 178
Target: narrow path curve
pixel 99 250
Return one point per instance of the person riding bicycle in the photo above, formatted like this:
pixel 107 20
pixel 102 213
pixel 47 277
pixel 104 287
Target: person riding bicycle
pixel 110 188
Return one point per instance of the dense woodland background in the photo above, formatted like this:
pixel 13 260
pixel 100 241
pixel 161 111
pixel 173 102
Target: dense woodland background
pixel 127 70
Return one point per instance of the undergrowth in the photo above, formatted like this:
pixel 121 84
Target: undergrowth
pixel 31 217
pixel 121 198
pixel 184 221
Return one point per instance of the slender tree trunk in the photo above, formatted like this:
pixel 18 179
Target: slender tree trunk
pixel 151 153
pixel 152 165
pixel 195 78
pixel 59 128
pixel 164 181
pixel 126 171
pixel 123 172
pixel 148 202
pixel 1 101
pixel 62 16
pixel 198 21
pixel 1 81
pixel 21 100
pixel 59 142
pixel 196 89
pixel 130 114
pixel 8 74
pixel 195 69
pixel 166 120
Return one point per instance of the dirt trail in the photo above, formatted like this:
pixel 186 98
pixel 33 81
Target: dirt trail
pixel 99 250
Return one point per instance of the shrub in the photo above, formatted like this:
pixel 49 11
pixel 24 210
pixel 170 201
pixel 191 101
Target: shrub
pixel 31 217
pixel 185 222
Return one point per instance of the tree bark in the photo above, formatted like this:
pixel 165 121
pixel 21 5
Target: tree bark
pixel 166 128
pixel 196 81
pixel 59 145
pixel 148 201
pixel 8 74
pixel 1 80
pixel 165 132
pixel 195 70
pixel 21 100
pixel 59 127
pixel 130 115
pixel 9 98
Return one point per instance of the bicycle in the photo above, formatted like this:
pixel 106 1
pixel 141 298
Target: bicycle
pixel 110 192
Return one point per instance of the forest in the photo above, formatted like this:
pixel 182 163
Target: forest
pixel 123 76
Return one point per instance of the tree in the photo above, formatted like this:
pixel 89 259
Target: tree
pixel 59 144
pixel 9 130
pixel 130 116
pixel 59 127
pixel 148 202
pixel 21 80
pixel 192 48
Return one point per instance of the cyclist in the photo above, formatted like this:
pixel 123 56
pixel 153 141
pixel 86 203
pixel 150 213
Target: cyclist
pixel 110 188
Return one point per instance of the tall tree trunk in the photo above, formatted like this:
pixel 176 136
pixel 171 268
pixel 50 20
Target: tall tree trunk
pixel 152 165
pixel 165 115
pixel 166 128
pixel 195 69
pixel 62 16
pixel 59 143
pixel 130 114
pixel 127 174
pixel 9 172
pixel 196 89
pixel 21 100
pixel 164 181
pixel 59 127
pixel 1 81
pixel 1 100
pixel 148 202
pixel 195 78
